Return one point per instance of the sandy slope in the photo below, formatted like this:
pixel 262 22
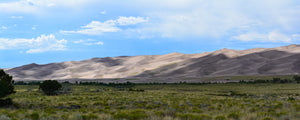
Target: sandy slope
pixel 258 61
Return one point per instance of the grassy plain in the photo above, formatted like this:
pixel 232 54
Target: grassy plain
pixel 231 101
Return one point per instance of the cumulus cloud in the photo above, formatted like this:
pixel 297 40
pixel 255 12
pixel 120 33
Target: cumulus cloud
pixel 89 42
pixel 130 20
pixel 273 36
pixel 98 28
pixel 40 44
pixel 178 18
pixel 215 18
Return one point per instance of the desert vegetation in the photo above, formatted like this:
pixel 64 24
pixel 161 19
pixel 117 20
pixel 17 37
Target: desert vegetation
pixel 180 101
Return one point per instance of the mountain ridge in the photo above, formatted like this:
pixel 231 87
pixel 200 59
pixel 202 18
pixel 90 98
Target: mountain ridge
pixel 224 62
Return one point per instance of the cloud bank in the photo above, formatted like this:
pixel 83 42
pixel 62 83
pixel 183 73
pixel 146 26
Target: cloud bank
pixel 40 44
pixel 273 36
pixel 265 21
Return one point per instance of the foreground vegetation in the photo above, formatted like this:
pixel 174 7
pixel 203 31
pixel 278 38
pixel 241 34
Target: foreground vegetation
pixel 231 101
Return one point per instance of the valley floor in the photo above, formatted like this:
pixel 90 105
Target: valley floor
pixel 231 101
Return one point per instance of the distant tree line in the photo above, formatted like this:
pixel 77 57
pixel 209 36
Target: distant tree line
pixel 295 79
pixel 110 84
pixel 27 83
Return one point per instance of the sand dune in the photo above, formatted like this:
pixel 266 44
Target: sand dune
pixel 225 62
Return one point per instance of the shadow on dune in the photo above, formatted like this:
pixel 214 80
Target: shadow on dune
pixel 272 62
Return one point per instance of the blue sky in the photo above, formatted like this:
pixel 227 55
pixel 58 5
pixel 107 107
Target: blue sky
pixel 45 31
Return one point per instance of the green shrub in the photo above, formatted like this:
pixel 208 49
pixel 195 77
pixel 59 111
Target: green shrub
pixel 89 117
pixel 297 78
pixel 291 99
pixel 276 80
pixel 64 116
pixel 50 87
pixel 234 115
pixel 159 113
pixel 136 90
pixel 6 102
pixel 297 107
pixel 49 111
pixel 189 116
pixel 34 116
pixel 220 118
pixel 132 115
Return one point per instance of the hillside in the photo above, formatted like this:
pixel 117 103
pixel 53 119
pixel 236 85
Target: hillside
pixel 225 62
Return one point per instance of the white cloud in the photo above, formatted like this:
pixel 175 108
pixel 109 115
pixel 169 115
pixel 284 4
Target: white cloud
pixel 98 28
pixel 3 27
pixel 39 6
pixel 40 44
pixel 251 37
pixel 79 41
pixel 33 28
pixel 99 43
pixel 89 42
pixel 51 4
pixel 215 18
pixel 296 37
pixel 130 20
pixel 17 6
pixel 16 17
pixel 176 18
pixel 273 36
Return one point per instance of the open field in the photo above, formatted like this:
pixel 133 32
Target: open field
pixel 231 101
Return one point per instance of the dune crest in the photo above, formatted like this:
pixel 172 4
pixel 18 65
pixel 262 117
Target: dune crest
pixel 225 62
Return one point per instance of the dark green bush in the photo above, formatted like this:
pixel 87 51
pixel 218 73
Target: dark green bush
pixel 6 88
pixel 5 102
pixel 50 87
pixel 276 80
pixel 6 84
pixel 297 78
pixel 34 116
pixel 136 90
